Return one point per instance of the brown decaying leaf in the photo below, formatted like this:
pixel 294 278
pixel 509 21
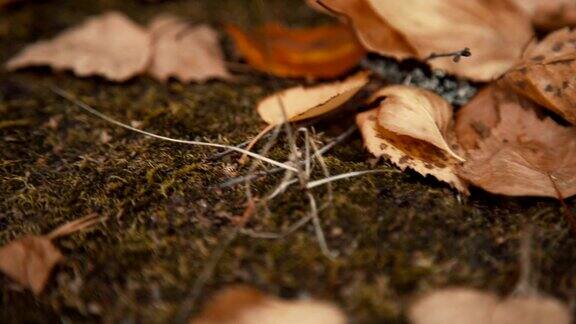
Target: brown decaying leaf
pixel 30 259
pixel 476 119
pixel 110 45
pixel 470 306
pixel 496 31
pixel 406 152
pixel 550 14
pixel 546 74
pixel 301 103
pixel 524 155
pixel 245 305
pixel 318 52
pixel 184 52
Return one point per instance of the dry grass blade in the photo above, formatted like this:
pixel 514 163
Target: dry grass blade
pixel 96 113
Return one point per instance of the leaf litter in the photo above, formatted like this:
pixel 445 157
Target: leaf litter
pixel 507 147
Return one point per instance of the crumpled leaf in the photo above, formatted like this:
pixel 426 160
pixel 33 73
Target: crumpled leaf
pixel 245 305
pixel 109 45
pixel 546 74
pixel 29 261
pixel 550 14
pixel 301 103
pixel 475 120
pixel 412 148
pixel 470 306
pixel 318 52
pixel 496 31
pixel 184 52
pixel 524 155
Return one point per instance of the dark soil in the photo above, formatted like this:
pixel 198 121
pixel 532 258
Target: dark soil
pixel 397 234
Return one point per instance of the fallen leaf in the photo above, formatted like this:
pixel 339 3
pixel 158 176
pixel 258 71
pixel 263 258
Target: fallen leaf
pixel 531 310
pixel 453 305
pixel 375 34
pixel 110 45
pixel 550 14
pixel 546 74
pixel 407 152
pixel 184 52
pixel 245 305
pixel 496 31
pixel 524 155
pixel 318 52
pixel 475 120
pixel 417 113
pixel 29 260
pixel 301 103
pixel 470 306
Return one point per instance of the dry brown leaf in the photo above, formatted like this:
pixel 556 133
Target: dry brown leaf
pixel 245 305
pixel 524 155
pixel 496 31
pixel 470 306
pixel 184 52
pixel 319 52
pixel 417 113
pixel 301 103
pixel 375 34
pixel 531 310
pixel 546 75
pixel 550 14
pixel 476 119
pixel 406 152
pixel 110 45
pixel 30 259
pixel 453 305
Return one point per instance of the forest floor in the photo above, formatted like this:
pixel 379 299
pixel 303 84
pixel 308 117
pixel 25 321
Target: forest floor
pixel 396 233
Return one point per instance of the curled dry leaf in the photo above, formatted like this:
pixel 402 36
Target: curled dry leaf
pixel 245 305
pixel 496 31
pixel 524 155
pixel 319 52
pixel 550 14
pixel 476 119
pixel 301 103
pixel 185 52
pixel 418 113
pixel 412 133
pixel 375 34
pixel 30 259
pixel 470 306
pixel 110 45
pixel 546 74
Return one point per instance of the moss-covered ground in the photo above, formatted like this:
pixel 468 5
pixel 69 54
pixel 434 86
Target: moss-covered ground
pixel 397 234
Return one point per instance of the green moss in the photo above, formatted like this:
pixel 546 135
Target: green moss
pixel 397 233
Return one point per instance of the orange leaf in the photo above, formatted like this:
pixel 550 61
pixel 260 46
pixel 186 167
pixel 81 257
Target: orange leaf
pixel 318 52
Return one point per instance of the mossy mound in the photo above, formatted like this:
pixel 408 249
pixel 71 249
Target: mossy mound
pixel 397 233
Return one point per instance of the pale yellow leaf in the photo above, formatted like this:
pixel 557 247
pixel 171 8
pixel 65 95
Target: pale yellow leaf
pixel 301 103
